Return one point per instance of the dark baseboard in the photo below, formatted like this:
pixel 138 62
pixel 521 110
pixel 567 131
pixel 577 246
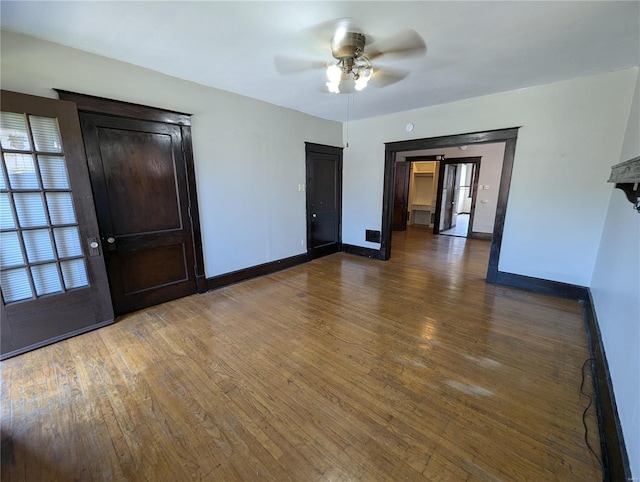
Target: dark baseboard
pixel 542 286
pixel 614 456
pixel 362 251
pixel 255 271
pixel 202 286
pixel 484 236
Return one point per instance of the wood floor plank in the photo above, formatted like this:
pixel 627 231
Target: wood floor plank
pixel 341 369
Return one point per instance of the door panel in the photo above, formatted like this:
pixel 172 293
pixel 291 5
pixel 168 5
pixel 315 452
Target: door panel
pixel 401 196
pixel 138 173
pixel 141 271
pixel 131 184
pixel 52 270
pixel 324 199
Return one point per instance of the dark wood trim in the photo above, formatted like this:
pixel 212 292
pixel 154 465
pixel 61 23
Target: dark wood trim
pixel 433 158
pixel 56 339
pixel 501 208
pixel 387 202
pixel 455 140
pixel 226 279
pixel 508 136
pixel 542 286
pixel 478 235
pixel 615 460
pixel 322 148
pixel 362 251
pixel 100 105
pixel 194 211
pixel 477 161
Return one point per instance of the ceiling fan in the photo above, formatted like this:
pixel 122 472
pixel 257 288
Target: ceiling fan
pixel 353 53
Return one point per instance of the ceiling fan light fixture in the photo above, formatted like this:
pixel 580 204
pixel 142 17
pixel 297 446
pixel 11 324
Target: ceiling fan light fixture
pixel 334 87
pixel 361 82
pixel 334 73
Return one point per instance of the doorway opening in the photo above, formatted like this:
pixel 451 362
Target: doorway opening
pixel 414 191
pixel 397 150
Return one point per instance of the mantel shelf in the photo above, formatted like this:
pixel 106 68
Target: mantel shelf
pixel 626 175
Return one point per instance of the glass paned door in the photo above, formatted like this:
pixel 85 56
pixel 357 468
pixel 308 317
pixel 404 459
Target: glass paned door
pixel 52 274
pixel 39 200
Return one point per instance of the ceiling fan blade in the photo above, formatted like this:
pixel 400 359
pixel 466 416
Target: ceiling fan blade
pixel 407 43
pixel 290 65
pixel 385 77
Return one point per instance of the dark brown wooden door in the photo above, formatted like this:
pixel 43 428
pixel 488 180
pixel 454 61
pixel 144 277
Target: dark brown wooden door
pixel 52 272
pixel 401 196
pixel 324 199
pixel 448 196
pixel 138 174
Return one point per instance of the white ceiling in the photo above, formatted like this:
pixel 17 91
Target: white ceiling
pixel 473 48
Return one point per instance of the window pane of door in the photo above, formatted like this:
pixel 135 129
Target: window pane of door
pixel 61 208
pixel 46 279
pixel 74 273
pixel 45 134
pixel 10 252
pixel 13 132
pixel 15 285
pixel 30 209
pixel 22 171
pixel 67 242
pixel 38 245
pixel 54 172
pixel 6 216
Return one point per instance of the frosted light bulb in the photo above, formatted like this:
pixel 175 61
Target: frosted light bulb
pixel 334 73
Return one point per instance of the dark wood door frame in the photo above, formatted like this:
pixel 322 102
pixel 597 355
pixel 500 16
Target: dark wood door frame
pixel 403 189
pixel 99 105
pixel 411 160
pixel 508 136
pixel 476 161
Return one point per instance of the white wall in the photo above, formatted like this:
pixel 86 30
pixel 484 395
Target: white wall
pixel 558 199
pixel 615 287
pixel 249 155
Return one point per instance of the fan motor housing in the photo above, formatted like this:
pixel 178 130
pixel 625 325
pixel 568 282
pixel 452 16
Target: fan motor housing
pixel 349 46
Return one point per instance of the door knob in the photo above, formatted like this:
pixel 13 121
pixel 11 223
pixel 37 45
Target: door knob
pixel 111 240
pixel 314 215
pixel 93 247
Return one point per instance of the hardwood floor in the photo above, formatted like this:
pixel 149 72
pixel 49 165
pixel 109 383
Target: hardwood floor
pixel 341 369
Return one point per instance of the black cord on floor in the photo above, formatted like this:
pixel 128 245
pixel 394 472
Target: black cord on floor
pixel 584 417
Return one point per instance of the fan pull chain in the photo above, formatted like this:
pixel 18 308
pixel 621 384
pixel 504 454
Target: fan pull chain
pixel 350 106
